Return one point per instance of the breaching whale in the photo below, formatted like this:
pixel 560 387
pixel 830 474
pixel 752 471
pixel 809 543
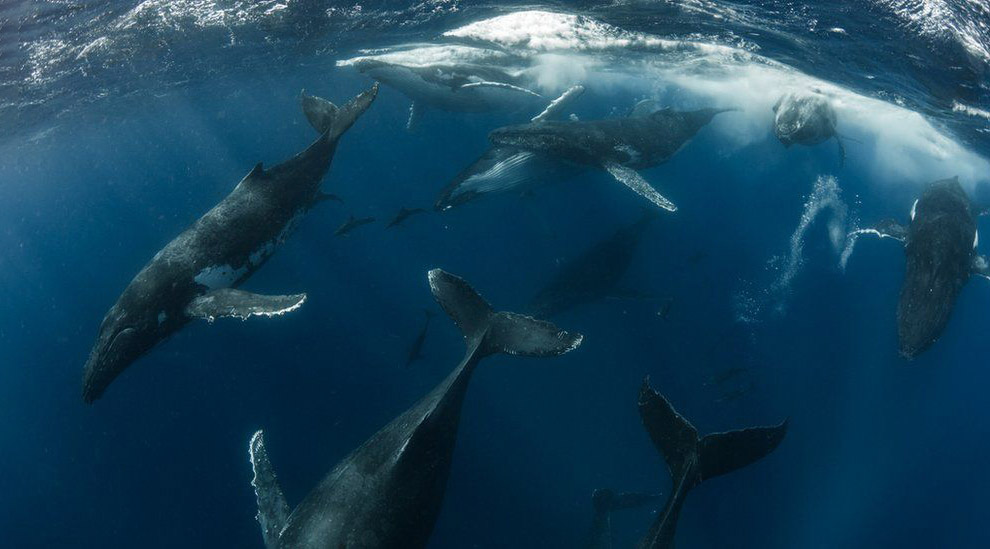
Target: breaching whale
pixel 604 502
pixel 195 275
pixel 388 492
pixel 691 459
pixel 593 275
pixel 806 118
pixel 940 246
pixel 447 84
pixel 526 153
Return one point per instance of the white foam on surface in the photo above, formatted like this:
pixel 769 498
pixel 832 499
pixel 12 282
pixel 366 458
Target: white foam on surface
pixel 556 50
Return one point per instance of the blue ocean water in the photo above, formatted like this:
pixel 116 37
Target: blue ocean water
pixel 123 122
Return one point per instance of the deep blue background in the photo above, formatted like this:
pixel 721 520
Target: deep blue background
pixel 881 452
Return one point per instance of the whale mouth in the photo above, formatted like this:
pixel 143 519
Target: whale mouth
pixel 104 365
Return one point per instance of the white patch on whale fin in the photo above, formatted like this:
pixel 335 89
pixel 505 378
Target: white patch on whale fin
pixel 273 511
pixel 557 105
pixel 976 238
pixel 914 209
pixel 981 266
pixel 499 85
pixel 631 179
pixel 415 114
pixel 228 302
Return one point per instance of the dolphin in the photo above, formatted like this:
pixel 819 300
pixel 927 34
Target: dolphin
pixel 389 491
pixel 691 459
pixel 196 274
pixel 605 501
pixel 416 349
pixel 940 246
pixel 449 78
pixel 351 224
pixel 402 215
pixel 594 274
pixel 527 153
pixel 806 118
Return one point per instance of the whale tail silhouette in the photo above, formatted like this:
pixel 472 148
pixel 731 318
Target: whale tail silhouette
pixel 326 117
pixel 692 459
pixel 488 332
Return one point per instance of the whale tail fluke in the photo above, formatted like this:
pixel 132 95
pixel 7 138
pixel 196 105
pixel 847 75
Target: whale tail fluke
pixel 497 332
pixel 326 117
pixel 692 460
pixel 718 453
pixel 273 511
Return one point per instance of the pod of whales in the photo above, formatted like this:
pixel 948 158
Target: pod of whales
pixel 692 459
pixel 388 492
pixel 195 274
pixel 940 246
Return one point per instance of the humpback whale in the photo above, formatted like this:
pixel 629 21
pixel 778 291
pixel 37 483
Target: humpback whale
pixel 605 501
pixel 940 246
pixel 388 492
pixel 594 274
pixel 447 84
pixel 691 459
pixel 526 153
pixel 806 118
pixel 196 274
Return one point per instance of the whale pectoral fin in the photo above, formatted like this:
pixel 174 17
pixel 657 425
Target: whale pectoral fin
pixel 228 302
pixel 557 105
pixel 888 228
pixel 631 179
pixel 981 266
pixel 415 114
pixel 273 511
pixel 499 85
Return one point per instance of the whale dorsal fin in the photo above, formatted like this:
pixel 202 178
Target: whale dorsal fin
pixel 273 511
pixel 644 108
pixel 228 302
pixel 631 179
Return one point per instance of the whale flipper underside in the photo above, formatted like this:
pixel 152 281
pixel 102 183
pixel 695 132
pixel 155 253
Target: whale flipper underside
pixel 229 302
pixel 691 460
pixel 273 511
pixel 325 117
pixel 630 178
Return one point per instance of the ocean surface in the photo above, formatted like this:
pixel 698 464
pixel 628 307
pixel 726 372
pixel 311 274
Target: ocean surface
pixel 121 123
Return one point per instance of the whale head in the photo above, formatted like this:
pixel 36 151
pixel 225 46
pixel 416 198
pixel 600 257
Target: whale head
pixel 803 118
pixel 124 337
